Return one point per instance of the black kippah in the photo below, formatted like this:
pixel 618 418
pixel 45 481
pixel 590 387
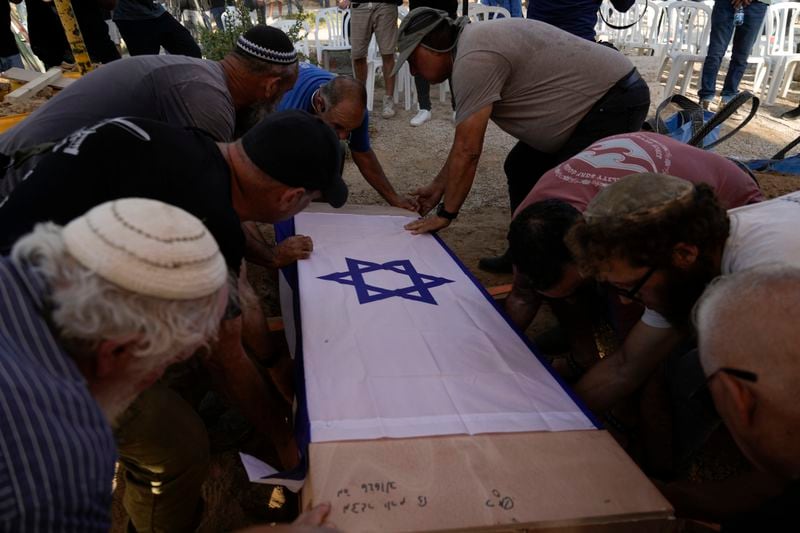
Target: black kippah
pixel 268 44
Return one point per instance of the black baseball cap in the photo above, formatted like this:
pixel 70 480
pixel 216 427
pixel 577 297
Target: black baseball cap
pixel 299 150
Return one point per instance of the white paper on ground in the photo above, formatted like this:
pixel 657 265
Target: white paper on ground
pixel 257 470
pixel 397 367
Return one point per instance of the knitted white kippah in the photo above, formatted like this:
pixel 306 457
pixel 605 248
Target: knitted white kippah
pixel 148 247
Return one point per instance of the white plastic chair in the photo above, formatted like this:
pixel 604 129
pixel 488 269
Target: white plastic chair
pixel 403 80
pixel 782 56
pixel 482 13
pixel 338 33
pixel 301 45
pixel 231 17
pixel 687 30
pixel 643 15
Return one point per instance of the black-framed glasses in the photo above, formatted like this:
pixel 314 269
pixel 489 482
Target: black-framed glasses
pixel 631 293
pixel 738 373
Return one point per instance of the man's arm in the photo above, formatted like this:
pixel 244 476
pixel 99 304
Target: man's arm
pixel 622 372
pixel 369 166
pixel 522 302
pixel 455 179
pixel 238 379
pixel 266 254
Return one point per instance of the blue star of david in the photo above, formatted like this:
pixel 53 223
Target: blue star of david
pixel 418 291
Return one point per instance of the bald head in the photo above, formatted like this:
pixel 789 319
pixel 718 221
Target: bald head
pixel 341 103
pixel 751 321
pixel 344 89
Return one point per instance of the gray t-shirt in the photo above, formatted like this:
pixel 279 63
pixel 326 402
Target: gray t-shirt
pixel 178 90
pixel 541 80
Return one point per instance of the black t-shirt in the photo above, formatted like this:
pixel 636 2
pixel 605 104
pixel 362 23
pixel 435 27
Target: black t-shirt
pixel 123 158
pixel 778 514
pixel 8 45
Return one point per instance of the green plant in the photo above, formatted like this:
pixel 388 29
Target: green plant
pixel 216 43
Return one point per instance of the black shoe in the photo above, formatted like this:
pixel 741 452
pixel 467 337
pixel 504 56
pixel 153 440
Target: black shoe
pixel 791 114
pixel 498 265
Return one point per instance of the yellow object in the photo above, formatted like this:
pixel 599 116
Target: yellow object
pixel 11 120
pixel 74 36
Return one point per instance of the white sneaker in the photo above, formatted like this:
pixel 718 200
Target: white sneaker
pixel 388 107
pixel 422 116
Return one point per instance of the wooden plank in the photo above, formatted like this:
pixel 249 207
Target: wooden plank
pixel 555 481
pixel 23 75
pixel 10 121
pixel 34 86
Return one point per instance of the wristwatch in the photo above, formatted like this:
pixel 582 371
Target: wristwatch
pixel 444 213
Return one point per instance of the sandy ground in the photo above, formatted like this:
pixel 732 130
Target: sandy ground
pixel 411 157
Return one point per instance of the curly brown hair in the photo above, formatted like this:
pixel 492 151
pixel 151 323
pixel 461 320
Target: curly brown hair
pixel 649 241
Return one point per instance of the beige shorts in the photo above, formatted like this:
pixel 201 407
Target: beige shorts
pixel 371 17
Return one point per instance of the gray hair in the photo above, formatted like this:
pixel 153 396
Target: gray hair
pixel 89 309
pixel 751 320
pixel 343 88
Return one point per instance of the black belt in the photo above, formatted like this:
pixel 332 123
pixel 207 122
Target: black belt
pixel 629 80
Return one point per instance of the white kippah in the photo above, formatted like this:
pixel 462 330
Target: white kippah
pixel 148 247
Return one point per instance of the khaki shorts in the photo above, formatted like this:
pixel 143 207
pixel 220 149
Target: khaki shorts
pixel 371 17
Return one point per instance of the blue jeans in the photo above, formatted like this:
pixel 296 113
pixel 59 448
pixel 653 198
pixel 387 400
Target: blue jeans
pixel 11 61
pixel 217 12
pixel 744 37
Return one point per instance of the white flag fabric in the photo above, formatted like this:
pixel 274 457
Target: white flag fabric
pixel 399 341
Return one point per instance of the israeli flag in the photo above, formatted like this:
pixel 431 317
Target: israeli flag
pixel 399 340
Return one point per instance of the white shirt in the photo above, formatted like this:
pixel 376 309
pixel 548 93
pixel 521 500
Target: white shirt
pixel 761 234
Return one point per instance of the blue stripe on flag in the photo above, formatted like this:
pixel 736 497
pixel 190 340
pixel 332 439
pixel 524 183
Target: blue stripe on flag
pixel 302 424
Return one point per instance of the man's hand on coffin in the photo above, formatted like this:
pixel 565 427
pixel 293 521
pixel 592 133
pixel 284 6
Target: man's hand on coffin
pixel 404 202
pixel 428 197
pixel 293 249
pixel 262 252
pixel 429 224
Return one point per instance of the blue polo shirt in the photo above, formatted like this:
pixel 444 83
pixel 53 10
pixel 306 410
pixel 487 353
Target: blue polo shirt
pixel 57 452
pixel 577 17
pixel 309 79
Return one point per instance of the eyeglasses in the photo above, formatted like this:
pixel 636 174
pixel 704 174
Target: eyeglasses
pixel 631 293
pixel 738 373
